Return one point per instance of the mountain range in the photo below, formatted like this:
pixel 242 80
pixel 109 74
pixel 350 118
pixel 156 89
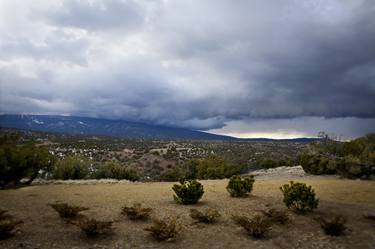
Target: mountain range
pixel 113 128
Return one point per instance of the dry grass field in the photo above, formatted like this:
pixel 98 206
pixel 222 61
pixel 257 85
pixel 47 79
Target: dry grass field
pixel 43 228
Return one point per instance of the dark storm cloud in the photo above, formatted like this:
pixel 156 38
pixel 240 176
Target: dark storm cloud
pixel 196 64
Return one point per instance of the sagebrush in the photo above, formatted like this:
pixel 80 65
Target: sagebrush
pixel 67 211
pixel 164 229
pixel 240 186
pixel 276 216
pixel 8 224
pixel 257 226
pixel 93 228
pixel 4 215
pixel 299 197
pixel 335 226
pixel 136 212
pixel 188 192
pixel 369 216
pixel 208 215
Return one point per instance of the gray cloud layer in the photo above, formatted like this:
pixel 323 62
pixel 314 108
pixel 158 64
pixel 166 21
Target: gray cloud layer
pixel 197 64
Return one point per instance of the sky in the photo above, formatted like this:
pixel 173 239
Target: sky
pixel 247 68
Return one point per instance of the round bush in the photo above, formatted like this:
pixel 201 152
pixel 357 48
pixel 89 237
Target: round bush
pixel 188 192
pixel 240 187
pixel 299 197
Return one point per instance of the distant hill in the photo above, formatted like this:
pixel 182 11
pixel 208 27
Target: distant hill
pixel 103 127
pixel 115 128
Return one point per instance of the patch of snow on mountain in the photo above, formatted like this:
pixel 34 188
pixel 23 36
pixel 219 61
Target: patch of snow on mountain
pixel 37 121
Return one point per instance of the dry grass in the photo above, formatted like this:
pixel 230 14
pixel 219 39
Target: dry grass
pixel 277 216
pixel 67 211
pixel 164 229
pixel 136 212
pixel 256 226
pixel 93 228
pixel 44 230
pixel 334 226
pixel 209 215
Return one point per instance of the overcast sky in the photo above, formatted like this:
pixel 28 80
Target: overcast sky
pixel 249 68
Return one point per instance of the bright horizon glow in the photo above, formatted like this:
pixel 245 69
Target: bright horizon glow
pixel 270 135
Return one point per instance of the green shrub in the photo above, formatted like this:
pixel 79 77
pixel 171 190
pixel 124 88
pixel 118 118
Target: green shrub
pixel 299 197
pixel 136 212
pixel 93 228
pixel 188 192
pixel 18 162
pixel 332 167
pixel 214 167
pixel 115 170
pixel 72 167
pixel 240 187
pixel 209 215
pixel 164 229
pixel 277 216
pixel 172 175
pixel 257 226
pixel 333 226
pixel 354 159
pixel 67 211
pixel 353 167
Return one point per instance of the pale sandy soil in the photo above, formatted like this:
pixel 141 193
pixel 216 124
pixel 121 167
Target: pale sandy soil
pixel 43 228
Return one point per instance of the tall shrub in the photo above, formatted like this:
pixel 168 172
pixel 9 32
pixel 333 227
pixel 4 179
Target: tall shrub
pixel 72 167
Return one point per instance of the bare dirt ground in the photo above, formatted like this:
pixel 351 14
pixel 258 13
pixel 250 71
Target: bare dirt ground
pixel 43 228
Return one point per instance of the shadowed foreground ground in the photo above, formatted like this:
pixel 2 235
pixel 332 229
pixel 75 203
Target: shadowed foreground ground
pixel 43 228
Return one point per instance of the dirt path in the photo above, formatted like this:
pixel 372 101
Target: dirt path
pixel 42 227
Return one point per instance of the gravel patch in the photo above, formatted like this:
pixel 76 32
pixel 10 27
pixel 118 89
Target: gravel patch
pixel 285 172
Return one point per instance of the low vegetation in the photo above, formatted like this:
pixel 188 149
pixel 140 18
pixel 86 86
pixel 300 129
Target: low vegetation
pixel 209 215
pixel 136 212
pixel 188 192
pixel 67 211
pixel 369 216
pixel 240 186
pixel 335 226
pixel 72 167
pixel 257 226
pixel 115 170
pixel 354 159
pixel 211 167
pixel 164 229
pixel 215 167
pixel 93 228
pixel 8 225
pixel 299 197
pixel 276 216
